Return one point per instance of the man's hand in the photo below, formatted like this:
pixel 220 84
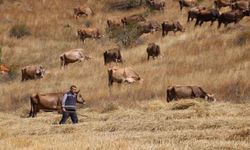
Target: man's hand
pixel 63 109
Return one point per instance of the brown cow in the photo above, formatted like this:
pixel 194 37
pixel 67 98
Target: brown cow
pixel 112 55
pixel 84 33
pixel 156 5
pixel 148 27
pixel 153 50
pixel 187 3
pixel 193 12
pixel 171 26
pixel 241 5
pixel 121 75
pixel 73 56
pixel 113 23
pixel 132 19
pixel 4 69
pixel 86 11
pixel 232 17
pixel 49 102
pixel 32 72
pixel 185 92
pixel 207 15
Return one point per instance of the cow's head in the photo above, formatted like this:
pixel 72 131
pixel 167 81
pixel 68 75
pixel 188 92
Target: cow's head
pixel 210 97
pixel 80 98
pixel 40 71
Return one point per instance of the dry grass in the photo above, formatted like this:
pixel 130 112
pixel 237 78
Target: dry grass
pixel 127 116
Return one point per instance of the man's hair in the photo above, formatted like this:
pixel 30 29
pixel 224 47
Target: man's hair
pixel 72 86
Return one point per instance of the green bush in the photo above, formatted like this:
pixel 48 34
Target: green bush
pixel 19 31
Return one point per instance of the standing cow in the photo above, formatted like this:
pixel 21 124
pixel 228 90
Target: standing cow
pixel 49 102
pixel 171 26
pixel 32 72
pixel 73 56
pixel 187 3
pixel 186 92
pixel 112 55
pixel 84 33
pixel 207 15
pixel 156 5
pixel 122 75
pixel 194 12
pixel 153 50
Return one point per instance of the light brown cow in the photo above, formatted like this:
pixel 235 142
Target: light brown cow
pixel 73 56
pixel 171 26
pixel 83 11
pixel 184 92
pixel 32 72
pixel 122 75
pixel 113 23
pixel 132 19
pixel 84 33
pixel 187 3
pixel 49 102
pixel 4 69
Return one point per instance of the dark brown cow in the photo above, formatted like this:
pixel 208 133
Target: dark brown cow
pixel 123 75
pixel 32 72
pixel 156 5
pixel 171 26
pixel 232 17
pixel 112 55
pixel 84 33
pixel 153 50
pixel 187 3
pixel 86 11
pixel 207 15
pixel 132 19
pixel 194 11
pixel 185 92
pixel 49 102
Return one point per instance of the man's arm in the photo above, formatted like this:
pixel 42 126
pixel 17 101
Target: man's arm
pixel 63 102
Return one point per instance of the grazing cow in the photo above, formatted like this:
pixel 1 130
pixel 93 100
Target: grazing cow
pixel 171 26
pixel 86 11
pixel 132 19
pixel 223 3
pixel 232 17
pixel 193 12
pixel 112 55
pixel 241 5
pixel 187 3
pixel 153 50
pixel 185 92
pixel 49 102
pixel 4 69
pixel 84 33
pixel 113 23
pixel 156 5
pixel 207 15
pixel 148 26
pixel 121 75
pixel 32 72
pixel 73 56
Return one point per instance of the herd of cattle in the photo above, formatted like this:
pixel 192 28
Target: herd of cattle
pixel 52 101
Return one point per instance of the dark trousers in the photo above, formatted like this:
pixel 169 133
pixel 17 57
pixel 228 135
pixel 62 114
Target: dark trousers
pixel 67 114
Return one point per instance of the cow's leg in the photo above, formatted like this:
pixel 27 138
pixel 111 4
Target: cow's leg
pixel 163 32
pixel 197 22
pixel 201 23
pixel 219 24
pixel 31 108
pixel 181 5
pixel 212 22
pixel 148 56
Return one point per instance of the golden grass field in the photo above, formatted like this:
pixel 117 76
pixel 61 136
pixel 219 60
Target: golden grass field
pixel 127 116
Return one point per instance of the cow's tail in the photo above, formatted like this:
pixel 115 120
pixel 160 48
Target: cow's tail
pixel 62 59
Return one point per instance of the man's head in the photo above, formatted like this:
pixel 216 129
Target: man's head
pixel 73 89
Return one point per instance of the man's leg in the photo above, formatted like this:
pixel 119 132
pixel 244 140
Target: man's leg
pixel 73 117
pixel 65 116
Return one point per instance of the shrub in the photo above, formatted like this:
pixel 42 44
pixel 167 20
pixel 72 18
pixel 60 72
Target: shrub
pixel 19 31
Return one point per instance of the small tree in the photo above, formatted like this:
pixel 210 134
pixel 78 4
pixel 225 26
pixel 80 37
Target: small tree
pixel 19 31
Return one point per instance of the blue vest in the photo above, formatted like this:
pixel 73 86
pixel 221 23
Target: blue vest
pixel 70 103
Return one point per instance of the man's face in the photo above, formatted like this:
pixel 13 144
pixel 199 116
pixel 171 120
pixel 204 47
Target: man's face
pixel 74 90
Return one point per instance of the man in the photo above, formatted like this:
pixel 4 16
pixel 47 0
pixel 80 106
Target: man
pixel 69 105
